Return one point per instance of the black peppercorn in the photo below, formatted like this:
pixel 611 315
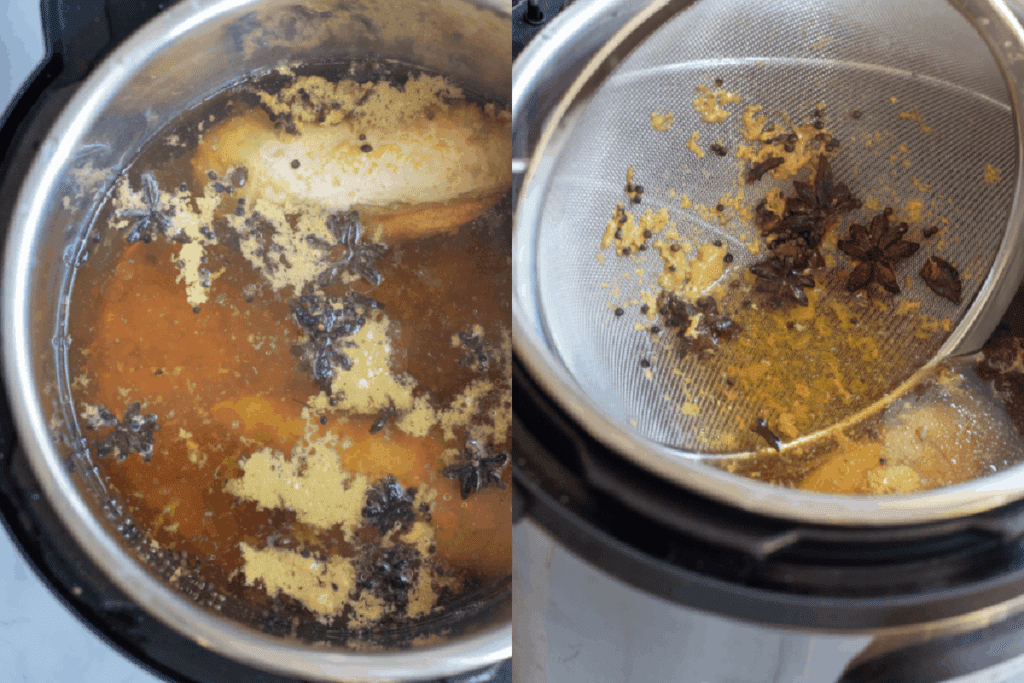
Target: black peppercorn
pixel 618 312
pixel 366 148
pixel 295 163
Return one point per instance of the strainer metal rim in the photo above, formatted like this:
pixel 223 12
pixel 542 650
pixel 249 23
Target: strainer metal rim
pixel 1003 33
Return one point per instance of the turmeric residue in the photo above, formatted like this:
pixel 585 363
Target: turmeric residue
pixel 915 116
pixel 661 121
pixel 992 174
pixel 710 104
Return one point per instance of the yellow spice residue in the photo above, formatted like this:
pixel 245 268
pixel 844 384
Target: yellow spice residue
pixel 991 174
pixel 369 386
pixel 915 116
pixel 661 121
pixel 912 210
pixel 709 104
pixel 633 231
pixel 309 481
pixel 806 149
pixel 693 146
pixel 705 270
pixel 312 482
pixel 677 264
pixel 921 187
pixel 483 399
pixel 188 223
pixel 322 587
pixel 893 479
pixel 753 123
pixel 805 365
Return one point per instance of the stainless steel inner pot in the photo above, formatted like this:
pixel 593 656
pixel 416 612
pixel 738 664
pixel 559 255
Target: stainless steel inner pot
pixel 187 53
pixel 591 41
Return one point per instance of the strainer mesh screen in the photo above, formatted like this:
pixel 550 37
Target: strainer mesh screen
pixel 876 58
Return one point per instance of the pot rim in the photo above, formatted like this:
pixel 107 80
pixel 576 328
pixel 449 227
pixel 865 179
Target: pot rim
pixel 206 628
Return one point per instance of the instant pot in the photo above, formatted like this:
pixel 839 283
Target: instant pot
pixel 628 570
pixel 93 49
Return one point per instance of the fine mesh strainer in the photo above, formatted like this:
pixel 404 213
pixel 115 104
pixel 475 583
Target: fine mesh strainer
pixel 921 107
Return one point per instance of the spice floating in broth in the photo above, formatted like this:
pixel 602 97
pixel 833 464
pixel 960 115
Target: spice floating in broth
pixel 478 469
pixel 296 341
pixel 132 434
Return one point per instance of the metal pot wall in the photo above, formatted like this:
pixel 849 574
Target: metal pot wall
pixel 181 57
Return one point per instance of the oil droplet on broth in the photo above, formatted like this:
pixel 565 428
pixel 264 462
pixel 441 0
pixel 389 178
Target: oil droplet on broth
pixel 331 424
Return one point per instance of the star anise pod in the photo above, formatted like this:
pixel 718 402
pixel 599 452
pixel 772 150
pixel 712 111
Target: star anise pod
pixel 943 278
pixel 710 328
pixel 350 252
pixel 389 504
pixel 327 325
pixel 388 573
pixel 478 470
pixel 824 199
pixel 386 415
pixel 477 356
pixel 759 168
pixel 877 247
pixel 808 213
pixel 784 280
pixel 133 434
pixel 152 219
